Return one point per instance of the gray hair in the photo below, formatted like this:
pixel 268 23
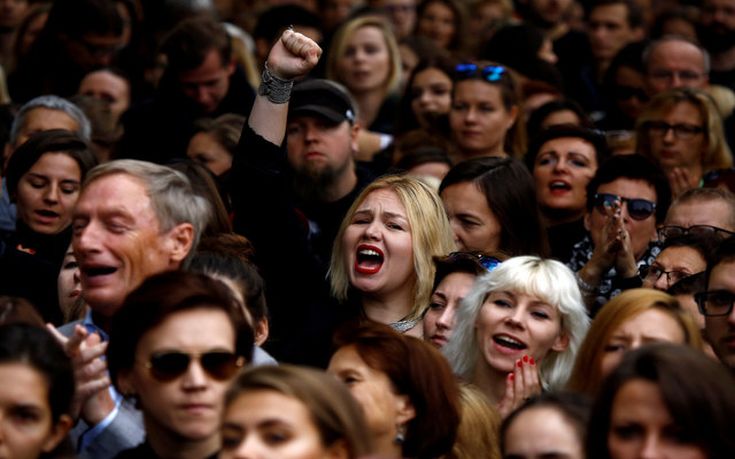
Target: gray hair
pixel 51 102
pixel 170 191
pixel 546 279
pixel 651 47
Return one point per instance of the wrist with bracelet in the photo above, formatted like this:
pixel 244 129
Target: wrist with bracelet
pixel 584 287
pixel 275 88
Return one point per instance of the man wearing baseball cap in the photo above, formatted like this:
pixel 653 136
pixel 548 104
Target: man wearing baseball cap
pixel 291 203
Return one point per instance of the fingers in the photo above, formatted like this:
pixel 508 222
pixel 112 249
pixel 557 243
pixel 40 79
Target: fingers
pixel 302 46
pixel 63 340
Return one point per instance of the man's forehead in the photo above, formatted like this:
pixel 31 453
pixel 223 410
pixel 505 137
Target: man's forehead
pixel 679 49
pixel 712 212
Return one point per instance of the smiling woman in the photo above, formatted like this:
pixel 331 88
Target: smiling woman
pixel 382 257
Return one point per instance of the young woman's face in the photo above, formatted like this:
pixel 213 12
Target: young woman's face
pixel 384 409
pixel 27 428
pixel 431 95
pixel 542 432
pixel 47 192
pixel 641 426
pixel 673 149
pixel 378 245
pixel 651 326
pixel 205 149
pixel 475 226
pixel 511 325
pixel 189 405
pixel 437 24
pixel 365 64
pixel 478 118
pixel 562 170
pixel 446 298
pixel 269 424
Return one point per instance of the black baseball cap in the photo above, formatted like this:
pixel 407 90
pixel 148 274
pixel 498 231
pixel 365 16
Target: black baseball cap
pixel 323 98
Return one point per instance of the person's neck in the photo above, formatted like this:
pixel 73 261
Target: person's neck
pixel 724 61
pixel 497 151
pixel 554 217
pixel 491 381
pixel 390 308
pixel 368 103
pixel 169 446
pixel 342 186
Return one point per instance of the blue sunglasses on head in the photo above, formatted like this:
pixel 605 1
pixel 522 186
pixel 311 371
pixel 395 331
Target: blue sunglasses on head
pixel 489 72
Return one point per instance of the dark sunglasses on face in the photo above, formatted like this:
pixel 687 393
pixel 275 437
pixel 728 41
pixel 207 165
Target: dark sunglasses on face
pixel 638 209
pixel 219 365
pixel 490 73
pixel 622 92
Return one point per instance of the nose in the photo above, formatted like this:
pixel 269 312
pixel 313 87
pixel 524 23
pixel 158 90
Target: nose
pixel 425 98
pixel 560 165
pixel 650 448
pixel 470 116
pixel 669 134
pixel 195 377
pixel 662 283
pixel 372 230
pixel 86 240
pixel 446 318
pixel 52 193
pixel 676 81
pixel 248 447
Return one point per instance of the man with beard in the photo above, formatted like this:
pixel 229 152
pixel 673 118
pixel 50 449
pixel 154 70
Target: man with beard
pixel 717 33
pixel 290 204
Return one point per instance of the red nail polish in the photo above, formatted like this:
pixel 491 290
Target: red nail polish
pixel 520 364
pixel 532 362
pixel 525 358
pixel 510 376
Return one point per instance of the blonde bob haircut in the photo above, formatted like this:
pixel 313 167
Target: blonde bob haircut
pixel 587 374
pixel 431 236
pixel 717 153
pixel 546 279
pixel 339 48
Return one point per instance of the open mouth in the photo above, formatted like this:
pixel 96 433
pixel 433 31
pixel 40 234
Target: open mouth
pixel 97 271
pixel 509 343
pixel 45 213
pixel 368 260
pixel 558 185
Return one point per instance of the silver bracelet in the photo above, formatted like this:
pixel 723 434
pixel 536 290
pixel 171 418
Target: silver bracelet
pixel 275 88
pixel 584 286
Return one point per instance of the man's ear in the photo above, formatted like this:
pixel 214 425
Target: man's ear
pixel 587 221
pixel 181 241
pixel 262 330
pixel 58 432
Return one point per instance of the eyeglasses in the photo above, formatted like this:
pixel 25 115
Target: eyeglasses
pixel 681 130
pixel 715 302
pixel 703 231
pixel 622 92
pixel 220 365
pixel 486 261
pixel 638 209
pixel 490 73
pixel 654 273
pixel 669 75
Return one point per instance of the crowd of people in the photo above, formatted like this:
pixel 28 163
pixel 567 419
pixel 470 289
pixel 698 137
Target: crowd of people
pixel 367 229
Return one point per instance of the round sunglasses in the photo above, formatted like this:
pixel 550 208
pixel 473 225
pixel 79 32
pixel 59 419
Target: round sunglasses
pixel 219 365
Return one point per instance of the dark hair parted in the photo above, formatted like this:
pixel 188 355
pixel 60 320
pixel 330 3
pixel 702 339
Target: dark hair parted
pixel 692 386
pixel 461 262
pixel 591 136
pixel 511 195
pixel 331 407
pixel 161 296
pixel 52 141
pixel 33 346
pixel 419 371
pixel 534 125
pixel 634 14
pixel 188 44
pixel 573 407
pixel 632 167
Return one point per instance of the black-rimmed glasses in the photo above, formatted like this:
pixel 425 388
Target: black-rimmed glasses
pixel 715 303
pixel 638 209
pixel 653 273
pixel 681 130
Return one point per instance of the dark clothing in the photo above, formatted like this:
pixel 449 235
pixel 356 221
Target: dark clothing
pixel 385 120
pixel 293 242
pixel 159 130
pixel 144 451
pixel 29 267
pixel 563 237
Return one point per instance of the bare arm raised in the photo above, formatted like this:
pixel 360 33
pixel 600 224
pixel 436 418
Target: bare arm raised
pixel 292 57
